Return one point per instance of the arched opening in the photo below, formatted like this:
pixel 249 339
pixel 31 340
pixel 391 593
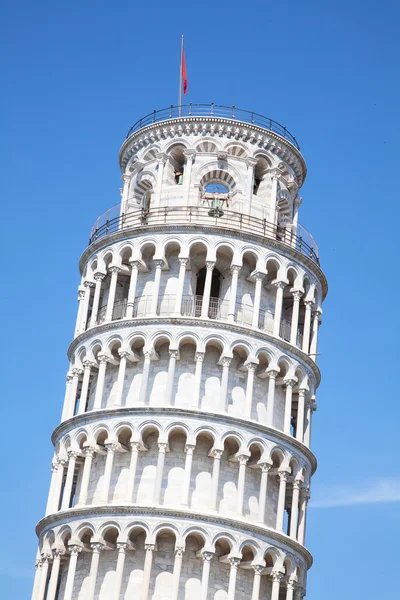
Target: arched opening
pixel 213 308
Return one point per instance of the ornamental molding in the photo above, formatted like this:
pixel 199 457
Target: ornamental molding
pixel 259 335
pixel 287 251
pixel 270 433
pixel 230 128
pixel 287 544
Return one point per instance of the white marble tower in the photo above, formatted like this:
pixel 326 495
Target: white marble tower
pixel 182 461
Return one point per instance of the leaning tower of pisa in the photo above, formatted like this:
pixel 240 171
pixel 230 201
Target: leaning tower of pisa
pixel 182 461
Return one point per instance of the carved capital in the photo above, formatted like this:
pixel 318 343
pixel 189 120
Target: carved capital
pixel 207 556
pixel 149 547
pixel 265 467
pixel 258 569
pixel 297 294
pixel 99 276
pixel 283 475
pixel 179 551
pixel 217 454
pixel 210 264
pixel 276 576
pixel 158 263
pixel 243 459
pixel 251 367
pixel 57 553
pixel 74 550
pixel 174 354
pixel 73 454
pixel 189 448
pixel 89 451
pixel 88 284
pixel 279 284
pixel 308 304
pixel 123 353
pixel 200 356
pixel 235 269
pixel 76 372
pixel 183 262
pixel 272 374
pixel 103 359
pixel 289 383
pixel 122 547
pixel 135 446
pixel 96 548
pixel 226 361
pixel 89 364
pixel 162 447
pixel 114 270
pixel 234 562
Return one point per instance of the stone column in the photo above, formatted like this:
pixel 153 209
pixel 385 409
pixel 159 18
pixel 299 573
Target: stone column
pixel 258 569
pixel 58 485
pixel 265 467
pixel 307 324
pixel 314 338
pixel 111 293
pixel 173 355
pixel 53 482
pixel 135 446
pixel 126 178
pixel 289 590
pixel 271 397
pixel 183 262
pixel 207 556
pixel 122 548
pixel 94 567
pixel 241 481
pixel 55 570
pixel 251 369
pixel 36 581
pixel 111 449
pixel 162 448
pixel 98 398
pixel 88 365
pixel 304 498
pixel 66 501
pixel 156 286
pixel 88 453
pixel 215 479
pixel 281 500
pixel 149 548
pixel 207 289
pixel 311 407
pixel 290 383
pixel 73 559
pixel 250 163
pixel 294 515
pixel 177 572
pixel 67 396
pixel 98 277
pixel 43 577
pixel 276 584
pixel 274 177
pixel 187 474
pixel 297 294
pixel 132 288
pixel 197 379
pixel 187 174
pixel 226 361
pixel 145 378
pixel 81 299
pixel 257 298
pixel 123 355
pixel 233 292
pixel 280 286
pixel 85 306
pixel 300 415
pixel 234 563
pixel 161 161
pixel 76 373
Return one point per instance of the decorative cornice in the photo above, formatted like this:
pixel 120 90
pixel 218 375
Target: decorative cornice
pixel 284 249
pixel 198 321
pixel 264 138
pixel 133 411
pixel 96 511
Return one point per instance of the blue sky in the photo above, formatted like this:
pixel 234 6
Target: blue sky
pixel 74 77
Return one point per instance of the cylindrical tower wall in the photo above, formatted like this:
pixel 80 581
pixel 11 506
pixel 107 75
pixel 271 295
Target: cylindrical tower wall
pixel 182 462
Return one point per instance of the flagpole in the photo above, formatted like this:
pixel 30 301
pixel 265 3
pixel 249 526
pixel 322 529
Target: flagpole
pixel 180 84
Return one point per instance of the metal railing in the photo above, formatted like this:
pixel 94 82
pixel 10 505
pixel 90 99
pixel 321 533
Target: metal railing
pixel 214 110
pixel 174 216
pixel 191 306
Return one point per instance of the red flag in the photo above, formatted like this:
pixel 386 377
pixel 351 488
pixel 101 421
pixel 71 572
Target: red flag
pixel 183 74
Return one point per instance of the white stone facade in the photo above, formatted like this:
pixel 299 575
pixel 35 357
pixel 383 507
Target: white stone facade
pixel 182 462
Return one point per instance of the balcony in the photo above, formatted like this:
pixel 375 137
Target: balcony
pixel 111 221
pixel 191 307
pixel 217 111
